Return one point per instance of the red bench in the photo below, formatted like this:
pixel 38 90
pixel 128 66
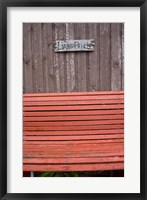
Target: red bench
pixel 81 131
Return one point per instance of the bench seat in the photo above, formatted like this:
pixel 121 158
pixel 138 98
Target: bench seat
pixel 78 131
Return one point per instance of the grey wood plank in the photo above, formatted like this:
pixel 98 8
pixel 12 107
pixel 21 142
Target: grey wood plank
pixel 81 60
pixel 105 63
pixel 70 60
pixel 116 53
pixel 56 59
pixel 61 56
pixel 37 58
pixel 93 59
pixel 50 58
pixel 45 63
pixel 27 59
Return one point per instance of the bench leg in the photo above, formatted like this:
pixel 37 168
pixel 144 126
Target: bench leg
pixel 31 174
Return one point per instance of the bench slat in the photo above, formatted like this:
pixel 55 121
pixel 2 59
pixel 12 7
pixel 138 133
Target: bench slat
pixel 91 132
pixel 62 142
pixel 73 123
pixel 75 154
pixel 82 107
pixel 73 148
pixel 77 167
pixel 118 92
pixel 72 118
pixel 72 160
pixel 76 128
pixel 73 113
pixel 73 102
pixel 75 137
pixel 65 98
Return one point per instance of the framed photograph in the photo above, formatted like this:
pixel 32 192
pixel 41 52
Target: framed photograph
pixel 73 96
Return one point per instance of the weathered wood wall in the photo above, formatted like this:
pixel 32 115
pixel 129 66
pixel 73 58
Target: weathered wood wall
pixel 47 71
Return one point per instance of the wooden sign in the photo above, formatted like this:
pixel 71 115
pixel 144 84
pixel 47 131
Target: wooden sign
pixel 74 45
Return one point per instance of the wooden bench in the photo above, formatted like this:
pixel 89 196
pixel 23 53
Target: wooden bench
pixel 81 131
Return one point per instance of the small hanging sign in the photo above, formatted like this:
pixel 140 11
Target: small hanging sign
pixel 74 45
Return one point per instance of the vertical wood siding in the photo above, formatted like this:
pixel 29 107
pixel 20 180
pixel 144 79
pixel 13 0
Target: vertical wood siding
pixel 47 71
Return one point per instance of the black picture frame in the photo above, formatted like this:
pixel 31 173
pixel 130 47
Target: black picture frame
pixel 4 4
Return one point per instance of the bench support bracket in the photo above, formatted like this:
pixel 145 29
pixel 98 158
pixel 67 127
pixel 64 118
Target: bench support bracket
pixel 32 174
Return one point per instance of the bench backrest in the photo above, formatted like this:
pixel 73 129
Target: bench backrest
pixel 83 117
